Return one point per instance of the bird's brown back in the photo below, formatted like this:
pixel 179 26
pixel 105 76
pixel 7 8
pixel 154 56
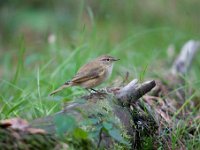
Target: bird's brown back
pixel 89 71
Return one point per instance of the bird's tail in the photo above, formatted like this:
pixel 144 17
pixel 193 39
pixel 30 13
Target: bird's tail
pixel 65 85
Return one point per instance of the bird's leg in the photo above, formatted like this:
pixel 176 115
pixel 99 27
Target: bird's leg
pixel 89 90
pixel 94 90
pixel 98 92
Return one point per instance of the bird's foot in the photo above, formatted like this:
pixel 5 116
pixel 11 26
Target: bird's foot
pixel 102 91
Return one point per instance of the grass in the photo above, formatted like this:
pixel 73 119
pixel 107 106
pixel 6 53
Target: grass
pixel 30 71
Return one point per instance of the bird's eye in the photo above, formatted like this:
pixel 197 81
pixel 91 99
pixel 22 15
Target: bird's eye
pixel 107 59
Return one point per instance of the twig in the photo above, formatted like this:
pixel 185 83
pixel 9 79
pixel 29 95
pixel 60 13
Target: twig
pixel 100 138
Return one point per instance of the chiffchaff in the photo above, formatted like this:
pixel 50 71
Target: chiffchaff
pixel 91 74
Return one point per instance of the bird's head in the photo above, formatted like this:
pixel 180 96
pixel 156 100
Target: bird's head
pixel 107 60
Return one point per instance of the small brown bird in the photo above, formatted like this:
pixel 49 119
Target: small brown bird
pixel 91 74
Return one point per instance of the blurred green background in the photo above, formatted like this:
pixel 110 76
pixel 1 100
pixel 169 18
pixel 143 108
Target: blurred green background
pixel 43 43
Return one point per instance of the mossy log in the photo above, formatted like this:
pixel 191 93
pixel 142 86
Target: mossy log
pixel 114 103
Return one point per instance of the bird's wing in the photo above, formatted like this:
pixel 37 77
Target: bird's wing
pixel 87 73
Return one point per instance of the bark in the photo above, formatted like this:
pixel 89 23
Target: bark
pixel 17 134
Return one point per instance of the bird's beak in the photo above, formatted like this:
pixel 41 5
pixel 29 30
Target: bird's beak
pixel 115 59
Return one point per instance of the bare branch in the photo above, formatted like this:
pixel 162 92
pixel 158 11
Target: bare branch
pixel 134 91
